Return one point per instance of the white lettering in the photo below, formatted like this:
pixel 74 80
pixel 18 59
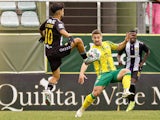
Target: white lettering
pixel 29 102
pixel 14 98
pixel 139 95
pixel 59 97
pixel 114 55
pixel 156 92
pixel 120 100
pixel 108 100
pixel 70 100
pixel 51 21
pixel 36 98
pixel 97 101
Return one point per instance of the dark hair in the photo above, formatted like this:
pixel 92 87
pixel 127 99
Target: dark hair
pixel 96 31
pixel 134 30
pixel 56 6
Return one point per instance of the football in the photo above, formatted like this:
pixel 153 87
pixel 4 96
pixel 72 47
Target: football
pixel 92 55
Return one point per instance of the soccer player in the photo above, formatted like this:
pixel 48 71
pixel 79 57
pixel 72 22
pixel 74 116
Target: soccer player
pixel 52 31
pixel 134 49
pixel 105 70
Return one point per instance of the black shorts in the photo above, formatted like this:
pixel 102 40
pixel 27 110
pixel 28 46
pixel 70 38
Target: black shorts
pixel 135 74
pixel 55 55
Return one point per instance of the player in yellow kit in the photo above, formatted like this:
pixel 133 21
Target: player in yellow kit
pixel 105 69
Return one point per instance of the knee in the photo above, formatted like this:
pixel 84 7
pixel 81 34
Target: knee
pixel 96 92
pixel 125 71
pixel 78 40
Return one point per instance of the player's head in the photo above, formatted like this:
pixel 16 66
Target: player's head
pixel 57 9
pixel 133 35
pixel 97 37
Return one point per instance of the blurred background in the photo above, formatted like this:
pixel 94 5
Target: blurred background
pixel 23 62
pixel 111 16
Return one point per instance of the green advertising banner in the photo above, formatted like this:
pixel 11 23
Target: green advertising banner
pixel 23 53
pixel 72 63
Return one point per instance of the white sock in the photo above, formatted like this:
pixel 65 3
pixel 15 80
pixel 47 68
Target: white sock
pixel 126 90
pixel 50 78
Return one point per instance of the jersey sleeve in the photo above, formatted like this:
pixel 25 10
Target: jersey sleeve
pixel 113 45
pixel 59 25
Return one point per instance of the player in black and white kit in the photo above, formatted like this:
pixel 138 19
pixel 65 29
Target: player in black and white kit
pixel 52 31
pixel 134 61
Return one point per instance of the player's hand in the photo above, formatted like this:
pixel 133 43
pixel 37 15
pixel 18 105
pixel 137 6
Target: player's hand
pixel 128 36
pixel 141 64
pixel 81 79
pixel 41 40
pixel 120 63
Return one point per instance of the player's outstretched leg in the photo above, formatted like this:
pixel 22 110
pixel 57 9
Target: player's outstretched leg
pixel 87 102
pixel 78 43
pixel 97 90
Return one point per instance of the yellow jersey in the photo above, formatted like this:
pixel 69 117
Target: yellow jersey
pixel 106 62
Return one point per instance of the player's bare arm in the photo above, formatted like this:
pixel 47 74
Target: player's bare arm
pixel 82 76
pixel 119 59
pixel 123 44
pixel 64 33
pixel 144 58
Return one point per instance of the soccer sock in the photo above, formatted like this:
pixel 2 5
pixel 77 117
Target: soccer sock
pixel 83 55
pixel 88 101
pixel 133 90
pixel 50 85
pixel 126 81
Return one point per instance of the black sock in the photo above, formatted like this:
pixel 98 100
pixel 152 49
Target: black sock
pixel 133 90
pixel 83 55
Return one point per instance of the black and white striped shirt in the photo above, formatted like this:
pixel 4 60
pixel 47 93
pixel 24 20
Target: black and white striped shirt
pixel 134 54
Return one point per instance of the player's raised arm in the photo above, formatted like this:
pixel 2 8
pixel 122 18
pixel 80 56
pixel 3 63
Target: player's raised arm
pixel 123 44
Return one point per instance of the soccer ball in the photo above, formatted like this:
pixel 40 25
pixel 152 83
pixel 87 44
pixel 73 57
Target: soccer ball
pixel 92 55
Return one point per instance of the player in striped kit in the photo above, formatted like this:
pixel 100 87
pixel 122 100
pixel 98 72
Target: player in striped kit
pixel 134 61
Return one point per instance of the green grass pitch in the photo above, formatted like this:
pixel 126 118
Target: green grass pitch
pixel 88 115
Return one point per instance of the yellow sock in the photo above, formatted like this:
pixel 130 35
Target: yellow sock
pixel 126 81
pixel 88 101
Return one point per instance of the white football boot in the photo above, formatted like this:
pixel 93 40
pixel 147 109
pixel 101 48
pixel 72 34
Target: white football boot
pixel 79 112
pixel 126 93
